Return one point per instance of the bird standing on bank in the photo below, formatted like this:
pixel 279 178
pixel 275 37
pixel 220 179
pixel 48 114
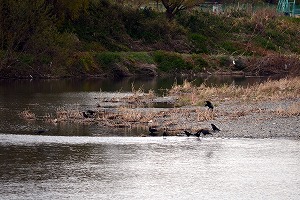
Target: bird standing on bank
pixel 152 131
pixel 203 131
pixel 85 115
pixel 209 105
pixel 197 134
pixel 91 112
pixel 187 133
pixel 165 133
pixel 215 128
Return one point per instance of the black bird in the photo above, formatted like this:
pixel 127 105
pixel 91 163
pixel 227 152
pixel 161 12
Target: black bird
pixel 41 131
pixel 165 133
pixel 85 115
pixel 197 134
pixel 187 133
pixel 203 131
pixel 91 112
pixel 152 131
pixel 215 128
pixel 209 105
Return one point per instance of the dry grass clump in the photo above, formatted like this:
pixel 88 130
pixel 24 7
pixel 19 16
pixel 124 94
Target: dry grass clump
pixel 281 89
pixel 137 99
pixel 270 90
pixel 135 115
pixel 67 115
pixel 293 110
pixel 27 115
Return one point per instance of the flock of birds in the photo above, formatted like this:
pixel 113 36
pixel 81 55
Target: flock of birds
pixel 154 131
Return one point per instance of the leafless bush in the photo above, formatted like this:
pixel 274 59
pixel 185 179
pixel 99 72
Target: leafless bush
pixel 275 64
pixel 261 17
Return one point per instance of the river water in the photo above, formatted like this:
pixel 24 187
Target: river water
pixel 83 167
pixel 74 161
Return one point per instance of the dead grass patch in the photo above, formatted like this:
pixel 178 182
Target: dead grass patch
pixel 286 88
pixel 27 115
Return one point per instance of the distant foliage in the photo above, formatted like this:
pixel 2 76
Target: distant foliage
pixel 171 62
pixel 60 37
pixel 108 58
pixel 25 26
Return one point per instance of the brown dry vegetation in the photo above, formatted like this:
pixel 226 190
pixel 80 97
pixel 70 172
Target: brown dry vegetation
pixel 27 115
pixel 286 88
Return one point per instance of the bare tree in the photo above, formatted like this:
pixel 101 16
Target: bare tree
pixel 175 6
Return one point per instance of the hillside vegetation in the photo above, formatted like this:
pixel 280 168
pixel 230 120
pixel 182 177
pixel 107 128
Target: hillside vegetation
pixel 101 38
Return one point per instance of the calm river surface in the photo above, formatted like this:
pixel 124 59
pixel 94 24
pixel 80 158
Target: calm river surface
pixel 64 167
pixel 72 161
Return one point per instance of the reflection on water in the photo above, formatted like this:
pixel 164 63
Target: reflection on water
pixel 48 167
pixel 46 96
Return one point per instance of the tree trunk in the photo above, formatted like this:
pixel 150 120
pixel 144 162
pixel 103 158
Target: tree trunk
pixel 169 14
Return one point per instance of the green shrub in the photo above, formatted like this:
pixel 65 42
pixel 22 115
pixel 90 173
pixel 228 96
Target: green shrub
pixel 265 43
pixel 225 61
pixel 142 57
pixel 108 58
pixel 277 37
pixel 144 24
pixel 200 42
pixel 229 46
pixel 209 25
pixel 199 63
pixel 150 27
pixel 26 59
pixel 102 24
pixel 171 62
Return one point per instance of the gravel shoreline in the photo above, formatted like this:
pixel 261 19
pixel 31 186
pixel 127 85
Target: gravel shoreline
pixel 250 120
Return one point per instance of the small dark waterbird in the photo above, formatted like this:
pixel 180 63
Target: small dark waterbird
pixel 85 115
pixel 41 131
pixel 152 131
pixel 197 134
pixel 165 133
pixel 203 131
pixel 188 133
pixel 88 114
pixel 209 105
pixel 215 128
pixel 91 112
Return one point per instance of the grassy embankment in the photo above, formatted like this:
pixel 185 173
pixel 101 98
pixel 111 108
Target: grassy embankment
pixel 115 40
